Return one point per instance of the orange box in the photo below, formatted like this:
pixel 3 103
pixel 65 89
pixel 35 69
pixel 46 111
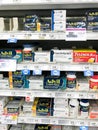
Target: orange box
pixel 84 55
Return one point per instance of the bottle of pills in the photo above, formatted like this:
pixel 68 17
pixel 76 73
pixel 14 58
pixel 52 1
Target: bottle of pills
pixel 71 80
pixel 84 107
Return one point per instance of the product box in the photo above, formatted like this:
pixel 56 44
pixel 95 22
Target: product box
pixel 4 127
pixel 29 127
pixel 13 107
pixel 4 83
pixel 63 101
pixel 11 54
pixel 27 107
pixel 82 83
pixel 92 16
pixel 58 113
pixel 92 26
pixel 54 82
pixel 30 23
pixel 58 15
pixel 76 22
pixel 84 55
pixel 36 82
pixel 43 107
pixel 44 24
pixel 42 127
pixel 58 26
pixel 67 55
pixel 43 56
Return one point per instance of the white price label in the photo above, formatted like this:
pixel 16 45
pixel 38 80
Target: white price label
pixel 16 1
pixel 63 122
pixel 45 121
pixel 88 67
pixel 93 123
pixel 60 95
pixel 72 123
pixel 9 119
pixel 54 121
pixel 76 34
pixel 92 96
pixel 42 36
pixel 7 65
pixel 55 67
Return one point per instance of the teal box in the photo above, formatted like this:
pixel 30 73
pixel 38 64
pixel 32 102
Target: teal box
pixel 54 83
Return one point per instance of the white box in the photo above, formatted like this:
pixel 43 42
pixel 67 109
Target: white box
pixel 36 82
pixel 61 113
pixel 62 55
pixel 4 83
pixel 59 26
pixel 60 101
pixel 58 15
pixel 82 84
pixel 43 56
pixel 4 127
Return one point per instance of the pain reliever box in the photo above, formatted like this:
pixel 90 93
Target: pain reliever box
pixel 43 56
pixel 84 55
pixel 62 55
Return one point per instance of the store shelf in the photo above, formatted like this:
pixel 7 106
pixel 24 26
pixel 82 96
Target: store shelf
pixel 29 35
pixel 46 4
pixel 57 121
pixel 58 66
pixel 49 93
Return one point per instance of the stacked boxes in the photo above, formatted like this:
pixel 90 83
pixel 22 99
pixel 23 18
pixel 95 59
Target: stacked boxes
pixel 58 20
pixel 92 20
pixel 61 107
pixel 43 107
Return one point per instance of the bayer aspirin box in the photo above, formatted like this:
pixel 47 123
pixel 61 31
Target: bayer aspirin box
pixel 62 55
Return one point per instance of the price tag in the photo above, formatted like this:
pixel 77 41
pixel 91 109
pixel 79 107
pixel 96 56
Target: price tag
pixel 72 123
pixel 60 95
pixel 16 1
pixel 88 67
pixel 63 122
pixel 42 36
pixel 55 73
pixel 45 121
pixel 76 34
pixel 37 72
pixel 9 119
pixel 55 67
pixel 26 72
pixel 54 121
pixel 7 65
pixel 93 123
pixel 91 96
pixel 88 73
pixel 27 99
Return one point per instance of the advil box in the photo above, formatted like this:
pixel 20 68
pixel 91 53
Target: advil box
pixel 84 55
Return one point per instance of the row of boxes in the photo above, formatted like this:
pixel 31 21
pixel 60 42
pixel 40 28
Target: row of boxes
pixel 63 56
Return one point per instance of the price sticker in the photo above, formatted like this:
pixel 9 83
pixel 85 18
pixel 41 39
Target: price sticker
pixel 16 1
pixel 54 121
pixel 55 73
pixel 9 119
pixel 62 122
pixel 93 123
pixel 55 67
pixel 76 34
pixel 45 121
pixel 91 96
pixel 88 67
pixel 27 99
pixel 42 36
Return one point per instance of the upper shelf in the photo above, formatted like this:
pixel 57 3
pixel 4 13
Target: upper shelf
pixel 46 4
